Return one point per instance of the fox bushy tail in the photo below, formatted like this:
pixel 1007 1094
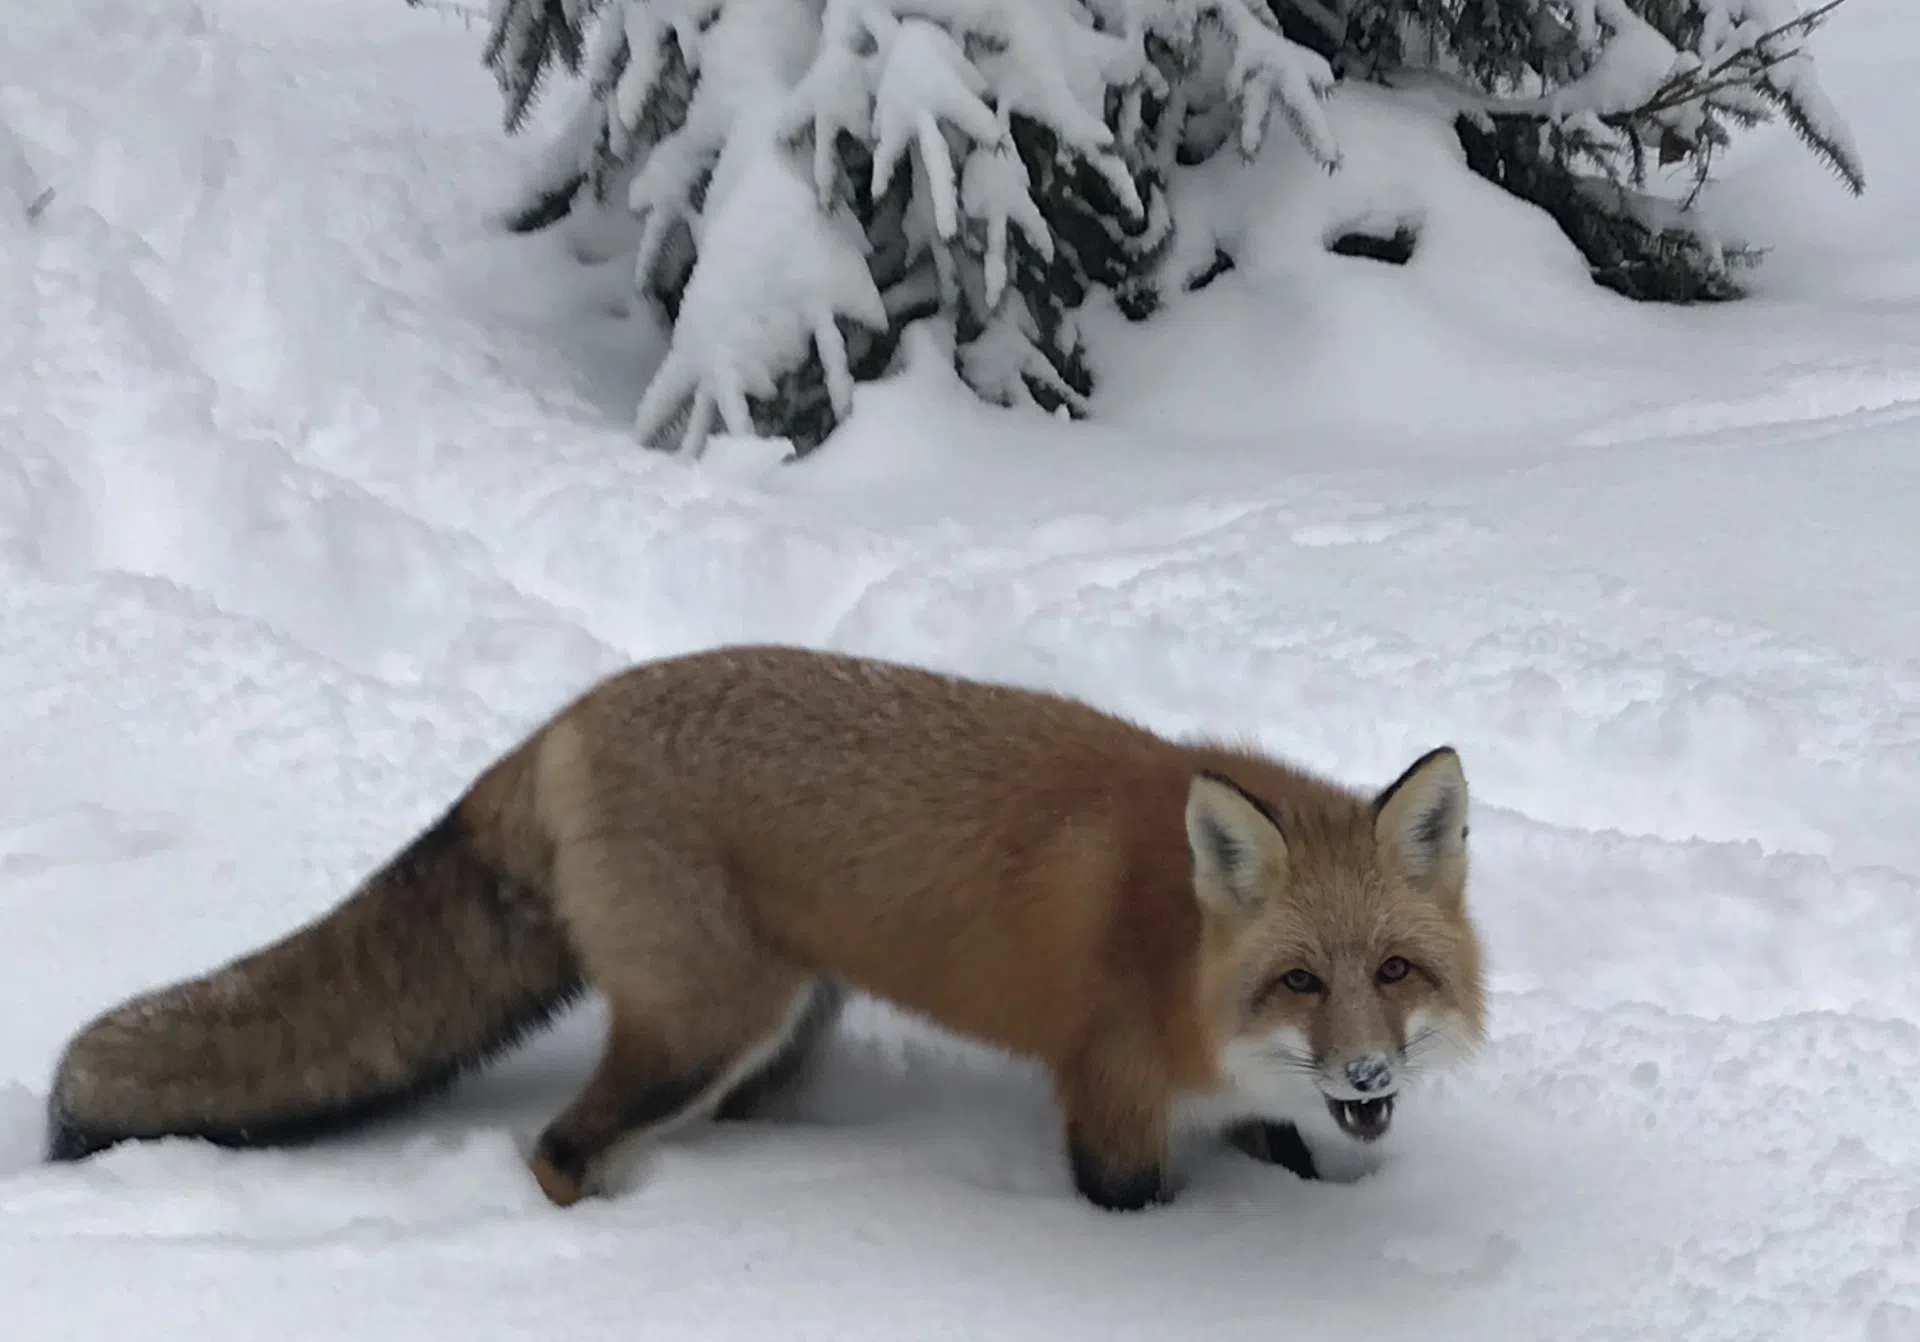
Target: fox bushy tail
pixel 438 961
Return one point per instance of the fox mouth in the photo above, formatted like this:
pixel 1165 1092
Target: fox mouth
pixel 1363 1120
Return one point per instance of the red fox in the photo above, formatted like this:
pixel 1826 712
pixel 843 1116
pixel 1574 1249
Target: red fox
pixel 723 844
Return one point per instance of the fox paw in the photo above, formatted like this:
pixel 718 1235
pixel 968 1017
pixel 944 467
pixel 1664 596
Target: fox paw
pixel 1114 1186
pixel 1275 1144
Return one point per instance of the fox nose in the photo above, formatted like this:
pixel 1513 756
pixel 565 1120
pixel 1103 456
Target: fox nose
pixel 1370 1073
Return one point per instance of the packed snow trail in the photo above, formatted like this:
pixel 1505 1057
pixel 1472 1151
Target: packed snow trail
pixel 315 494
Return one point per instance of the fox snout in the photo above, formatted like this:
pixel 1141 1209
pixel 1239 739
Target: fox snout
pixel 1371 1073
pixel 1359 1095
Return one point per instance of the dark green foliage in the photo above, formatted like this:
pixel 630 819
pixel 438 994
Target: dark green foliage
pixel 527 39
pixel 1594 185
pixel 1618 180
pixel 1623 254
pixel 800 409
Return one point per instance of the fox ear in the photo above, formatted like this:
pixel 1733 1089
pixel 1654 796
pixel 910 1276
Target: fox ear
pixel 1239 853
pixel 1421 820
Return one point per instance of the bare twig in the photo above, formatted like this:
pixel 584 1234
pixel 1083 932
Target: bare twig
pixel 1734 71
pixel 470 12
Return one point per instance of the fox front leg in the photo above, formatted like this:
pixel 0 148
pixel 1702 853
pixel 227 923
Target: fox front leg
pixel 1274 1143
pixel 1116 1142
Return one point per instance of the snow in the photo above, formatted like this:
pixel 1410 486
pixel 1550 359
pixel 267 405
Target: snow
pixel 316 492
pixel 920 83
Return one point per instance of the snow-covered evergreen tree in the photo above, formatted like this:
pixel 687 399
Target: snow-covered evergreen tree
pixel 809 176
pixel 1567 103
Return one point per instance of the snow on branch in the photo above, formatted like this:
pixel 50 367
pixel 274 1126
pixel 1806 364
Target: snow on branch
pixel 1268 67
pixel 1761 45
pixel 526 37
pixel 916 71
pixel 926 79
pixel 773 277
pixel 1008 359
pixel 915 63
pixel 1750 56
pixel 995 187
pixel 1269 71
pixel 775 272
pixel 808 178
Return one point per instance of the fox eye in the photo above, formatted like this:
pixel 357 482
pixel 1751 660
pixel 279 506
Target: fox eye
pixel 1392 969
pixel 1300 981
pixel 1294 981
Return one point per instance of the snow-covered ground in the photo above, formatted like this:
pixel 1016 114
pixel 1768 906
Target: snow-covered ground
pixel 315 493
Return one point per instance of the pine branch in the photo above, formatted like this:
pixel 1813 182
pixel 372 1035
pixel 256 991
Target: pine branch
pixel 1269 68
pixel 464 10
pixel 527 38
pixel 1324 17
pixel 1838 158
pixel 1739 69
pixel 1633 245
pixel 1746 69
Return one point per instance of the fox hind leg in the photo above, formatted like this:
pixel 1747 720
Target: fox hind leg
pixel 696 1005
pixel 782 1073
pixel 644 1088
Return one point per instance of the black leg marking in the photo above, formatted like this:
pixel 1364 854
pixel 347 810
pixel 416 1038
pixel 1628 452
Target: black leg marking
pixel 1275 1144
pixel 578 1138
pixel 664 1100
pixel 1111 1186
pixel 564 1156
pixel 785 1069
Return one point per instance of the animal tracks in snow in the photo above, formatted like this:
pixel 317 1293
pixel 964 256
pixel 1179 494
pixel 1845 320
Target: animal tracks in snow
pixel 1410 533
pixel 83 833
pixel 1843 392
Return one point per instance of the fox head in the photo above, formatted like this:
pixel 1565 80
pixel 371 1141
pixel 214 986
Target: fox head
pixel 1341 952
